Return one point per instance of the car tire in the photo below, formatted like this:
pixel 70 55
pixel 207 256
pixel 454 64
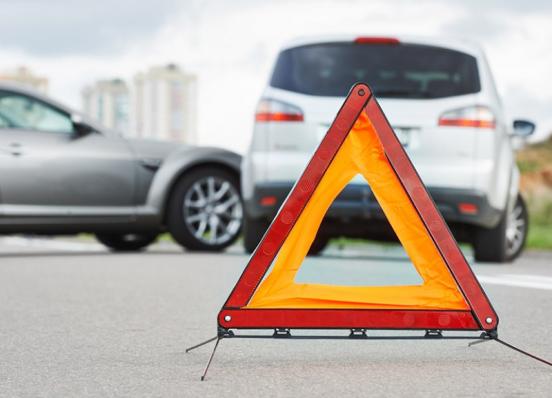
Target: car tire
pixel 129 242
pixel 205 210
pixel 319 244
pixel 255 228
pixel 253 231
pixel 505 242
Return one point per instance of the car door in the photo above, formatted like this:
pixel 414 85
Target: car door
pixel 48 168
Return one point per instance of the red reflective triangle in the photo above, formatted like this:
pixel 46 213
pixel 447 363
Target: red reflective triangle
pixel 479 316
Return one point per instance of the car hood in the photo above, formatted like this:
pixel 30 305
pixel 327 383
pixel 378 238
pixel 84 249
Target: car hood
pixel 152 149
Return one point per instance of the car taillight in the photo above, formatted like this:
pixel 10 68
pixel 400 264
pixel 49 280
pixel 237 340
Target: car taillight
pixel 376 40
pixel 268 200
pixel 468 208
pixel 270 110
pixel 472 116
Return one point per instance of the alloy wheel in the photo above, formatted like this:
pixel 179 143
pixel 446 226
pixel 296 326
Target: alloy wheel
pixel 516 228
pixel 212 210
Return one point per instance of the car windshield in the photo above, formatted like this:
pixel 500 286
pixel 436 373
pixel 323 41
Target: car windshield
pixel 393 71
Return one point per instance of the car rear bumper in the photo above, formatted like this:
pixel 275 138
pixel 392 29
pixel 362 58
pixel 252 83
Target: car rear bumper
pixel 357 202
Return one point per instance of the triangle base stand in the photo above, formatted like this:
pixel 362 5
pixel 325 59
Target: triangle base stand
pixel 358 334
pixel 355 334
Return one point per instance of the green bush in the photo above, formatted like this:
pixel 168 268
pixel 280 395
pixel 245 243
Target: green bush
pixel 540 224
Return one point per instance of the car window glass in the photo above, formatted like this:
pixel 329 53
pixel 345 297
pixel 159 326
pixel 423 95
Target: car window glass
pixel 4 123
pixel 21 112
pixel 392 71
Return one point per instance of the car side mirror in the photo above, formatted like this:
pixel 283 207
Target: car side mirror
pixel 80 127
pixel 523 128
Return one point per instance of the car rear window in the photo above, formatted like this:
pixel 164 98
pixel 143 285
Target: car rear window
pixel 391 70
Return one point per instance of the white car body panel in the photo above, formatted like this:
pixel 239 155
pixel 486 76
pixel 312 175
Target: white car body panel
pixel 448 157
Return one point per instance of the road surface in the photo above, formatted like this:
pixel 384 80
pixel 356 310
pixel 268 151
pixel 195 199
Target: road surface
pixel 76 320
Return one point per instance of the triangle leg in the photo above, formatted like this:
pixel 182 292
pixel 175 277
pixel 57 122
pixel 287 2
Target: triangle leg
pixel 211 358
pixel 201 344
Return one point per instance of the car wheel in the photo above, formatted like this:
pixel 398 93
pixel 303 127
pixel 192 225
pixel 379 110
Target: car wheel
pixel 254 230
pixel 319 244
pixel 205 210
pixel 505 242
pixel 127 242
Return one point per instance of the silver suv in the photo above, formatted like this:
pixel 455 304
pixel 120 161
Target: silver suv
pixel 441 99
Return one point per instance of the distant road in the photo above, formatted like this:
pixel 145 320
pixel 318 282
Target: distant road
pixel 76 320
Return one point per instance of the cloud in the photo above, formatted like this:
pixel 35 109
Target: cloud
pixel 53 28
pixel 231 45
pixel 475 27
pixel 515 7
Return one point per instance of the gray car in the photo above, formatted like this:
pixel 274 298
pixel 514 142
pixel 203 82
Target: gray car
pixel 61 173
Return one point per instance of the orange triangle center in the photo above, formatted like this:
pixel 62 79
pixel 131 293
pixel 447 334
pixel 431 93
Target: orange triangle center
pixel 361 153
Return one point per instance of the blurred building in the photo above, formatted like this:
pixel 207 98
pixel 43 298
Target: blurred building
pixel 164 105
pixel 107 102
pixel 23 75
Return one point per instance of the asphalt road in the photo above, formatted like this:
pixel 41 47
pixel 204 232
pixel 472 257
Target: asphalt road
pixel 78 321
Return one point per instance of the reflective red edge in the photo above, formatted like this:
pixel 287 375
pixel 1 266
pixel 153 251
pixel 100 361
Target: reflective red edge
pixel 433 220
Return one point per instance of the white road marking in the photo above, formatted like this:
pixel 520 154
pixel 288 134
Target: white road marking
pixel 518 280
pixel 30 244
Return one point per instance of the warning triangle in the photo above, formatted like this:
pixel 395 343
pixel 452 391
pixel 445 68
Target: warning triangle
pixel 359 141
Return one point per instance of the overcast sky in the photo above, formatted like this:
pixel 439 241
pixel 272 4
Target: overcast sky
pixel 231 45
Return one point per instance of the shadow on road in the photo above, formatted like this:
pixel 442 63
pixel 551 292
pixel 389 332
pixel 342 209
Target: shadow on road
pixel 82 254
